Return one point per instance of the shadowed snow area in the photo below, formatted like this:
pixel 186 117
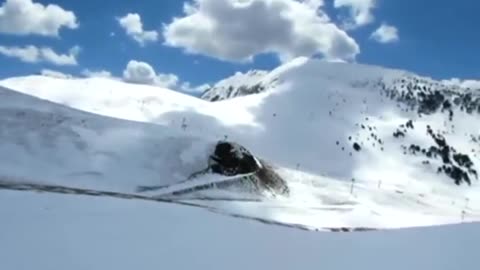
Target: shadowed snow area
pixel 327 128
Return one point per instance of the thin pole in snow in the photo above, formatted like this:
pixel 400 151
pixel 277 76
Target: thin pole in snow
pixel 353 183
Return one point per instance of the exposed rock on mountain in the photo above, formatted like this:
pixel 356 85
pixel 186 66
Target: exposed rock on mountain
pixel 231 159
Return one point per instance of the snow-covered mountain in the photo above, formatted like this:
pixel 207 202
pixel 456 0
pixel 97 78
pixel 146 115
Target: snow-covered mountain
pixel 409 96
pixel 359 146
pixel 320 123
pixel 240 84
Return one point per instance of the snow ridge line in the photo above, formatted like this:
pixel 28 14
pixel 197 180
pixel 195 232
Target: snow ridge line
pixel 17 186
pixel 22 186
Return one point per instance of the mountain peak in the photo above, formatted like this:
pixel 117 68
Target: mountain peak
pixel 257 81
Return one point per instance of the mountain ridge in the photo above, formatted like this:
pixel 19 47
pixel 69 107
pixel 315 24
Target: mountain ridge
pixel 256 81
pixel 337 133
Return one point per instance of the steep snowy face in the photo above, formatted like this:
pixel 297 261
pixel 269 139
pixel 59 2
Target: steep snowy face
pixel 429 98
pixel 240 84
pixel 360 122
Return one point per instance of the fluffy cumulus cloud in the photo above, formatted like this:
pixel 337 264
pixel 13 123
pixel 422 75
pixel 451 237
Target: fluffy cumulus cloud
pixel 143 73
pixel 237 30
pixel 33 54
pixel 133 26
pixel 385 34
pixel 360 11
pixel 24 17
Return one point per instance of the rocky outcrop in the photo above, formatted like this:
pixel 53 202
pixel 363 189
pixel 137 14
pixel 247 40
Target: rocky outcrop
pixel 232 159
pixel 267 179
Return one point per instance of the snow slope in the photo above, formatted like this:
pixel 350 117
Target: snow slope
pixel 318 110
pixel 50 143
pixel 57 232
pixel 306 124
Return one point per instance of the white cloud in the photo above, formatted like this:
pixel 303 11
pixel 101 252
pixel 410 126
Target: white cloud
pixel 60 59
pixel 360 11
pixel 139 72
pixel 237 30
pixel 315 4
pixel 188 88
pixel 24 17
pixel 96 73
pixel 33 54
pixel 143 73
pixel 132 24
pixel 385 34
pixel 29 54
pixel 55 74
pixel 473 84
pixel 166 80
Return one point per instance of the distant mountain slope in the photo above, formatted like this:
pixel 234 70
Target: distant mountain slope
pixel 347 121
pixel 380 143
pixel 370 94
pixel 240 84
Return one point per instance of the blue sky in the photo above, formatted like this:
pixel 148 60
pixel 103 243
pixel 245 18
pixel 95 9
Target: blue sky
pixel 437 38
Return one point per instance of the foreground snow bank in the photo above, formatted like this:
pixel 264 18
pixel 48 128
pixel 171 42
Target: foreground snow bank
pixel 72 232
